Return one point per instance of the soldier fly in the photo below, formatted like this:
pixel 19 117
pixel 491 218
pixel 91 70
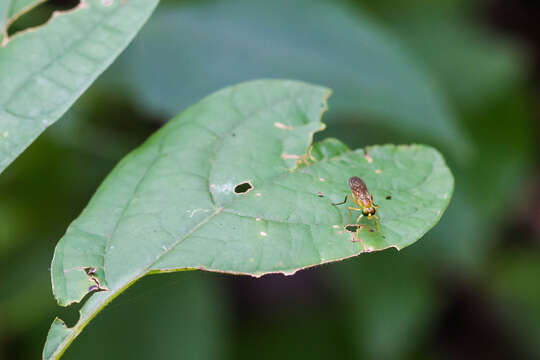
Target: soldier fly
pixel 363 200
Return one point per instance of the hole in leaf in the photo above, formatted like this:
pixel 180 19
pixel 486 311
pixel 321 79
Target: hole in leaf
pixel 388 197
pixel 355 228
pixel 243 188
pixel 40 15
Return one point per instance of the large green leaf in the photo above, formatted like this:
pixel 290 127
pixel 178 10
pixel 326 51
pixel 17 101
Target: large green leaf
pixel 373 74
pixel 491 64
pixel 173 204
pixel 42 72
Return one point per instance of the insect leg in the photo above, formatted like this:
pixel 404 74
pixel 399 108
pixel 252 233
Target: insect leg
pixel 345 200
pixel 358 239
pixel 376 221
pixel 341 203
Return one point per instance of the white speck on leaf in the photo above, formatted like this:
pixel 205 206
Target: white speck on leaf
pixel 224 188
pixel 263 233
pixel 282 126
pixel 378 171
pixel 288 156
pixel 194 211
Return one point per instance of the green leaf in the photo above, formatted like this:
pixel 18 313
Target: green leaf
pixel 171 204
pixel 45 70
pixel 374 75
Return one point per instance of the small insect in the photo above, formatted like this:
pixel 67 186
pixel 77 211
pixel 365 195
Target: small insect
pixel 363 200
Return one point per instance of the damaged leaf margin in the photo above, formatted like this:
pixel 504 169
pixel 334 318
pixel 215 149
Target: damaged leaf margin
pixel 170 205
pixel 13 10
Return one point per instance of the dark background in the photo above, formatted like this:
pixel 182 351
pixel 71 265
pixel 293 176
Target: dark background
pixel 469 289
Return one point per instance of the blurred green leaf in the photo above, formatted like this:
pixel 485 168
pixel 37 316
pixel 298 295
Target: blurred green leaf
pixel 172 204
pixel 512 277
pixel 472 64
pixel 209 45
pixel 45 70
pixel 308 332
pixel 392 304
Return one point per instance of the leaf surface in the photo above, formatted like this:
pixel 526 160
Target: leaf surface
pixel 174 203
pixel 44 70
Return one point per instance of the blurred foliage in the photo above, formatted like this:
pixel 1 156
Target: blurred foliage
pixel 167 315
pixel 316 41
pixel 346 309
pixel 46 68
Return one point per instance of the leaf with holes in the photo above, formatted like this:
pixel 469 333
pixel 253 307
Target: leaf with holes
pixel 232 185
pixel 43 71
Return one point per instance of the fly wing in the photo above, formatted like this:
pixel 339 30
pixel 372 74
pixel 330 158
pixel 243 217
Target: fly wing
pixel 359 189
